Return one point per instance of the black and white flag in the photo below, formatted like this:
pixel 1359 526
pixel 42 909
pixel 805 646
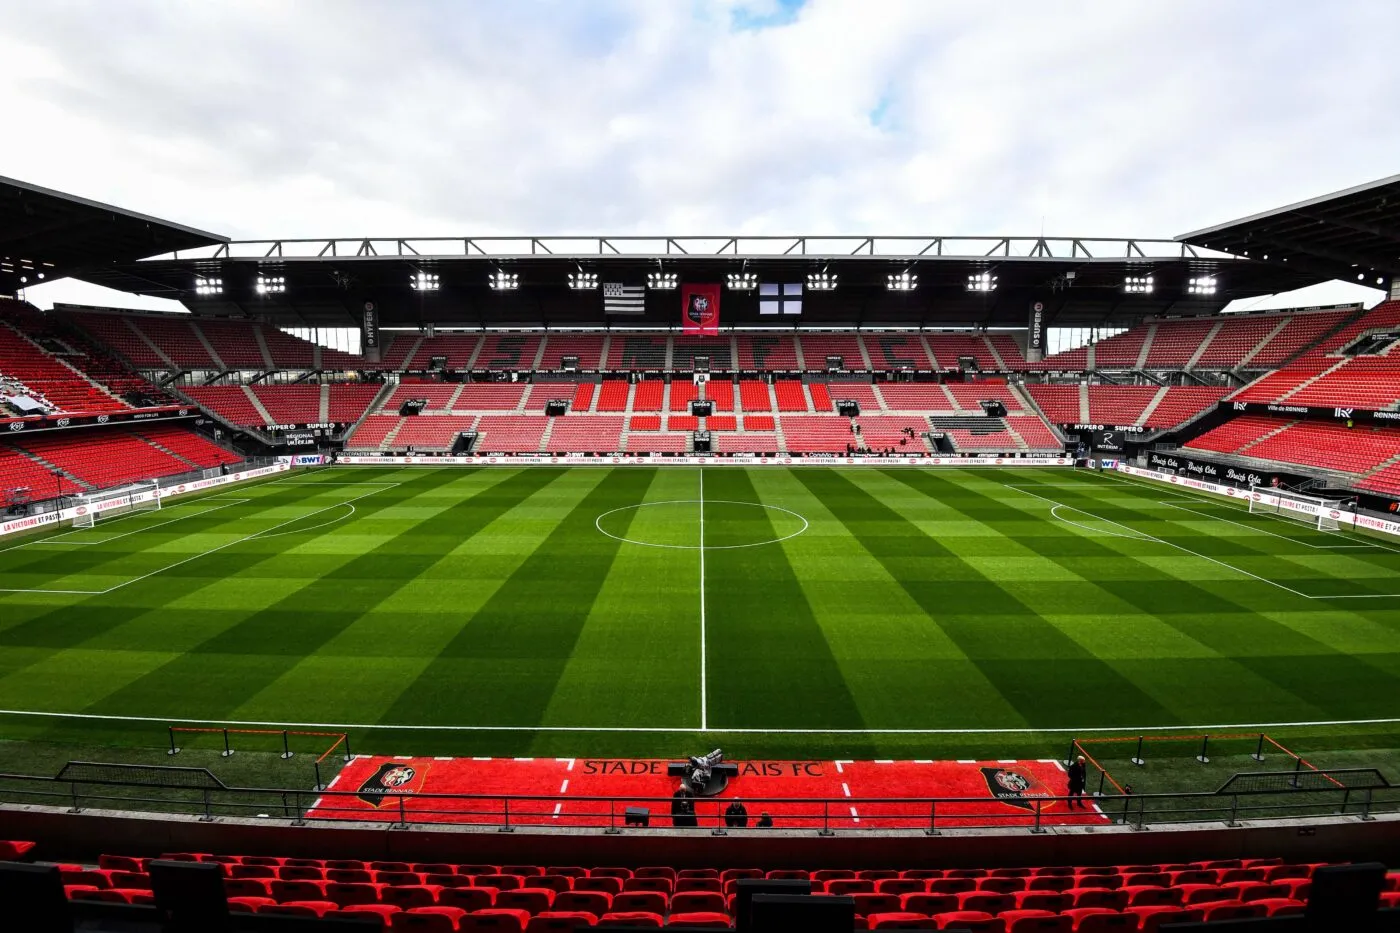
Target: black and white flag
pixel 623 299
pixel 775 298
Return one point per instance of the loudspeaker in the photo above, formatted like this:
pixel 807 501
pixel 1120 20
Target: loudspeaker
pixel 189 895
pixel 745 890
pixel 35 892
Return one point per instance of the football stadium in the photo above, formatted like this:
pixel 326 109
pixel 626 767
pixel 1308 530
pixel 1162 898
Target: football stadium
pixel 754 582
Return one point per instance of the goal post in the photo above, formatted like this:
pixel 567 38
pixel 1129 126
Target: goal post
pixel 1321 513
pixel 90 508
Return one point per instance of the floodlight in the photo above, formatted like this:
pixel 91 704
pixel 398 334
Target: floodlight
pixel 981 282
pixel 205 286
pixel 821 281
pixel 666 280
pixel 1205 285
pixel 583 281
pixel 505 281
pixel 1138 285
pixel 742 281
pixel 270 285
pixel 424 282
pixel 901 282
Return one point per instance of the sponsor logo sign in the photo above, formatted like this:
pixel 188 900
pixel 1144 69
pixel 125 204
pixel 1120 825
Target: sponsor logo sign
pixel 1013 787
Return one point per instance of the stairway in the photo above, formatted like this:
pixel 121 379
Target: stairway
pixel 388 441
pixel 208 347
pixel 1152 405
pixel 549 432
pixel 1382 466
pixel 456 395
pixel 1311 379
pixel 778 435
pixel 1146 347
pixel 1200 350
pixel 323 412
pixel 1016 436
pixel 155 347
pixel 1260 440
pixel 1001 363
pixel 1084 403
pixel 1268 338
pixel 258 405
pixel 408 357
pixel 167 451
pixel 261 340
pixel 53 468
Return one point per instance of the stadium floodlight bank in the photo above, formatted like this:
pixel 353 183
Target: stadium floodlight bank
pixel 138 497
pixel 1322 513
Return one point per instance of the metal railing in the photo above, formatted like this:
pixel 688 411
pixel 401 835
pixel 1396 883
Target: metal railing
pixel 77 789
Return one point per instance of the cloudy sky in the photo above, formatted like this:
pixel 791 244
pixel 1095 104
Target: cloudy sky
pixel 263 118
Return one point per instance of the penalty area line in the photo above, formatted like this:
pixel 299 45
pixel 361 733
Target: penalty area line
pixel 1022 730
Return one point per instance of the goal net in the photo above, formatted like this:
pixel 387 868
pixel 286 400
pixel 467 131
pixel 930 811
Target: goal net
pixel 1316 511
pixel 99 506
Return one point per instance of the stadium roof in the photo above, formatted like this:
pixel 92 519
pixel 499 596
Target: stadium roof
pixel 1081 280
pixel 46 234
pixel 1353 235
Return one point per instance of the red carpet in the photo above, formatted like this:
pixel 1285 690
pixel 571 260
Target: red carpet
pixel 861 793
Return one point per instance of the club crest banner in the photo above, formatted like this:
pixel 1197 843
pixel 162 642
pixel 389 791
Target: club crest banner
pixel 700 309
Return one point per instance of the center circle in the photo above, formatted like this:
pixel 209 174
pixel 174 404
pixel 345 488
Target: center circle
pixel 683 523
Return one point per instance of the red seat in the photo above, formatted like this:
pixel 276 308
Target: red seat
pixel 450 881
pixel 14 850
pixel 974 920
pixel 928 903
pixel 1150 918
pixel 690 902
pixel 77 875
pixel 1242 874
pixel 347 894
pixel 608 884
pixel 710 873
pixel 495 920
pixel 121 863
pixel 408 896
pixel 1257 890
pixel 397 878
pixel 349 875
pixel 900 920
pixel 1098 897
pixel 1156 879
pixel 249 905
pixel 630 920
pixel 867 904
pixel 301 873
pixel 828 874
pixel 656 871
pixel 1286 907
pixel 555 883
pixel 1000 885
pixel 501 882
pixel 478 869
pixel 850 886
pixel 876 874
pixel 432 868
pixel 569 871
pixel 1235 911
pixel 1010 872
pixel 1147 895
pixel 610 873
pixel 701 884
pixel 965 873
pixel 248 887
pixel 986 901
pixel 1192 894
pixel 385 912
pixel 284 891
pixel 115 896
pixel 1035 921
pixel 589 902
pixel 1283 872
pixel 344 864
pixel 389 866
pixel 532 900
pixel 700 920
pixel 921 874
pixel 1054 901
pixel 560 921
pixel 468 898
pixel 900 886
pixel 640 902
pixel 1050 883
pixel 301 908
pixel 951 885
pixel 427 920
pixel 525 871
pixel 1106 922
pixel 1053 871
pixel 654 883
pixel 1191 876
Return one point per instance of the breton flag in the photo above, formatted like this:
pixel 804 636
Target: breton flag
pixel 774 298
pixel 623 299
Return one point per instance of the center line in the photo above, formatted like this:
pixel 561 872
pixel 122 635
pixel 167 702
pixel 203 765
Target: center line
pixel 704 712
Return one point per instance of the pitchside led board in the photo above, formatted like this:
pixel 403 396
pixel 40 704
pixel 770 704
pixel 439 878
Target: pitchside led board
pixel 700 309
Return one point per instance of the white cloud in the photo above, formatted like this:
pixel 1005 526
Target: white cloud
pixel 423 118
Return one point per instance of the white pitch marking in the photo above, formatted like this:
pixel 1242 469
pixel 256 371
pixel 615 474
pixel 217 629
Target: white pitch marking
pixel 689 547
pixel 662 730
pixel 704 686
pixel 563 788
pixel 557 808
pixel 854 818
pixel 923 761
pixel 966 761
pixel 334 781
pixel 442 758
pixel 316 804
pixel 481 759
pixel 884 761
pixel 839 769
pixel 1006 761
pixel 403 757
pixel 845 788
pixel 1060 765
pixel 522 759
pixel 1272 534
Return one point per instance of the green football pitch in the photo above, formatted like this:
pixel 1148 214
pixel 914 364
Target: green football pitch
pixel 804 612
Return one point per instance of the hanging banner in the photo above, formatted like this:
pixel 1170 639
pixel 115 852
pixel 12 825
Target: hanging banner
pixel 1035 332
pixel 700 309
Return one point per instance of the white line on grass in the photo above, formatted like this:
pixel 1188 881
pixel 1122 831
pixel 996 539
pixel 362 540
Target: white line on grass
pixel 179 518
pixel 1272 534
pixel 121 518
pixel 704 689
pixel 179 563
pixel 1187 550
pixel 1023 730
